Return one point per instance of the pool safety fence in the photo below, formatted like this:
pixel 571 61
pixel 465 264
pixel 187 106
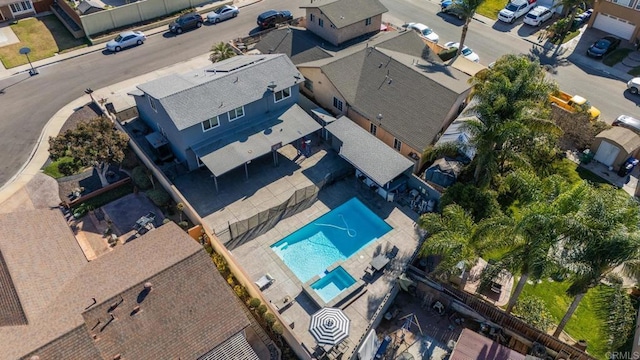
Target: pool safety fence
pixel 246 230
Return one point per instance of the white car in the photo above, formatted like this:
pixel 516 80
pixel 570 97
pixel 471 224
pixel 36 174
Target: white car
pixel 424 31
pixel 515 9
pixel 466 52
pixel 222 13
pixel 634 85
pixel 537 16
pixel 126 39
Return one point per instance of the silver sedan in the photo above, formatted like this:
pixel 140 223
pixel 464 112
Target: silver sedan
pixel 126 39
pixel 222 13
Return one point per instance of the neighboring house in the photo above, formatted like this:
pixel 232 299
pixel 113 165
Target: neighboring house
pixel 90 6
pixel 229 113
pixel 620 18
pixel 338 21
pixel 12 9
pixel 471 345
pixel 398 90
pixel 613 146
pixel 157 297
pixel 299 44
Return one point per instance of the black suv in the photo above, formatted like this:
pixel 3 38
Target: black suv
pixel 186 22
pixel 269 19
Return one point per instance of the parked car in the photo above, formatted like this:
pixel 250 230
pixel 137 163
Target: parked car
pixel 515 9
pixel 271 18
pixel 634 85
pixel 450 7
pixel 628 122
pixel 603 46
pixel 537 16
pixel 466 52
pixel 424 31
pixel 187 21
pixel 222 13
pixel 581 19
pixel 126 39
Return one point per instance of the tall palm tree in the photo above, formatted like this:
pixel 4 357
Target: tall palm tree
pixel 600 236
pixel 466 9
pixel 221 51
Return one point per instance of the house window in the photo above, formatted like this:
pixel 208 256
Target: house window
pixel 282 94
pixel 152 103
pixel 373 129
pixel 308 84
pixel 367 21
pixel 311 17
pixel 626 3
pixel 20 7
pixel 397 144
pixel 337 103
pixel 320 22
pixel 210 124
pixel 236 113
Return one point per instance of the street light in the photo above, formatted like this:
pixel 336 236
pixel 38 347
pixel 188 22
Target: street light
pixel 25 51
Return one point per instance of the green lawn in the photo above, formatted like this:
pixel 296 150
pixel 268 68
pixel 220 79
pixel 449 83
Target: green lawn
pixel 616 56
pixel 53 170
pixel 584 324
pixel 491 8
pixel 45 37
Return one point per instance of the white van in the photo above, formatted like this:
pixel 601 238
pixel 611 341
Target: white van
pixel 515 9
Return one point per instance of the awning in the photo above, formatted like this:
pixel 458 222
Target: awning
pixel 371 156
pixel 251 143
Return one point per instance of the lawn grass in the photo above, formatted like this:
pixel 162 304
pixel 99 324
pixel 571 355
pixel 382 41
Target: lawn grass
pixel 584 325
pixel 53 170
pixel 616 56
pixel 570 35
pixel 491 8
pixel 45 36
pixel 635 71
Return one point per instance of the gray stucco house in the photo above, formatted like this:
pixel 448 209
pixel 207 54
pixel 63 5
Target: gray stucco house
pixel 228 113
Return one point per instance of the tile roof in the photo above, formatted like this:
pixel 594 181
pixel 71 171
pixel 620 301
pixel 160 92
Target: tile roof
pixel 298 44
pixel 343 13
pixel 414 100
pixel 203 94
pixel 366 152
pixel 182 316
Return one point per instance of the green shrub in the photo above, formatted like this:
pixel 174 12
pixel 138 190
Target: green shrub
pixel 240 291
pixel 140 177
pixel 448 54
pixel 533 310
pixel 270 319
pixel 159 197
pixel 254 303
pixel 183 224
pixel 130 160
pixel 67 168
pixel 277 328
pixel 261 309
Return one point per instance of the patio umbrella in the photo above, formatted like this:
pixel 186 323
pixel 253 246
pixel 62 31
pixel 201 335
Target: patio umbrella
pixel 329 326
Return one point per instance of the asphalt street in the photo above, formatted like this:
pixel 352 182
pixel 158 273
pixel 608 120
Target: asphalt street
pixel 26 104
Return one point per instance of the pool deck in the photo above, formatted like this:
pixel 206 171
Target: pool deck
pixel 257 258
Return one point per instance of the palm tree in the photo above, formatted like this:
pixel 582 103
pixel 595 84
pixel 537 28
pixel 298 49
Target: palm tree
pixel 600 236
pixel 221 51
pixel 452 236
pixel 466 9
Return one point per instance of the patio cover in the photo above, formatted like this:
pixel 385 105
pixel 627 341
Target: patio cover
pixel 253 142
pixel 367 153
pixel 472 345
pixel 236 347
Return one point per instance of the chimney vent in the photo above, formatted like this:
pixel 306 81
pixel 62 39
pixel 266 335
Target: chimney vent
pixel 148 286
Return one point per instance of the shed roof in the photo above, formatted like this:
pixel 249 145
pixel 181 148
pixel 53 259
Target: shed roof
pixel 194 97
pixel 472 345
pixel 343 13
pixel 298 44
pixel 623 137
pixel 367 153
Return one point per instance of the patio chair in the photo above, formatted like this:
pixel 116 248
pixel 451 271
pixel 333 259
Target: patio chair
pixel 393 252
pixel 265 281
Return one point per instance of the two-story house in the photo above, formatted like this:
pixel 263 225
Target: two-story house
pixel 13 9
pixel 338 21
pixel 397 89
pixel 617 17
pixel 229 113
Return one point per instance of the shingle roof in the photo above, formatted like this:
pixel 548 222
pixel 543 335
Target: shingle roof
pixel 367 153
pixel 413 103
pixel 298 44
pixel 11 312
pixel 194 97
pixel 184 315
pixel 343 13
pixel 627 139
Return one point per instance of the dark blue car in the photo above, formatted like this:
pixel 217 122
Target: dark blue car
pixel 603 46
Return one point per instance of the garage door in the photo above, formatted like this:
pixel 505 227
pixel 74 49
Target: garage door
pixel 614 25
pixel 606 153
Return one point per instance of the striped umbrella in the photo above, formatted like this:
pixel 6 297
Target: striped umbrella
pixel 329 326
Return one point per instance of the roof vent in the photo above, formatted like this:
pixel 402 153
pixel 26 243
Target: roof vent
pixel 34 357
pixel 135 310
pixel 272 86
pixel 148 286
pixel 117 357
pixel 113 307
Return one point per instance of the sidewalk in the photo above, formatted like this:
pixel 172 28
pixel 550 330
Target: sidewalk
pixel 156 28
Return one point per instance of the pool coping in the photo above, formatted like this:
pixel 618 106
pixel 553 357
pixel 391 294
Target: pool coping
pixel 343 295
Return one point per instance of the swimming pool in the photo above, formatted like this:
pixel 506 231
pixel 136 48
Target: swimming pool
pixel 334 236
pixel 332 284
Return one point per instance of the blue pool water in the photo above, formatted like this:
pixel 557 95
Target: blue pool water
pixel 332 284
pixel 332 237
